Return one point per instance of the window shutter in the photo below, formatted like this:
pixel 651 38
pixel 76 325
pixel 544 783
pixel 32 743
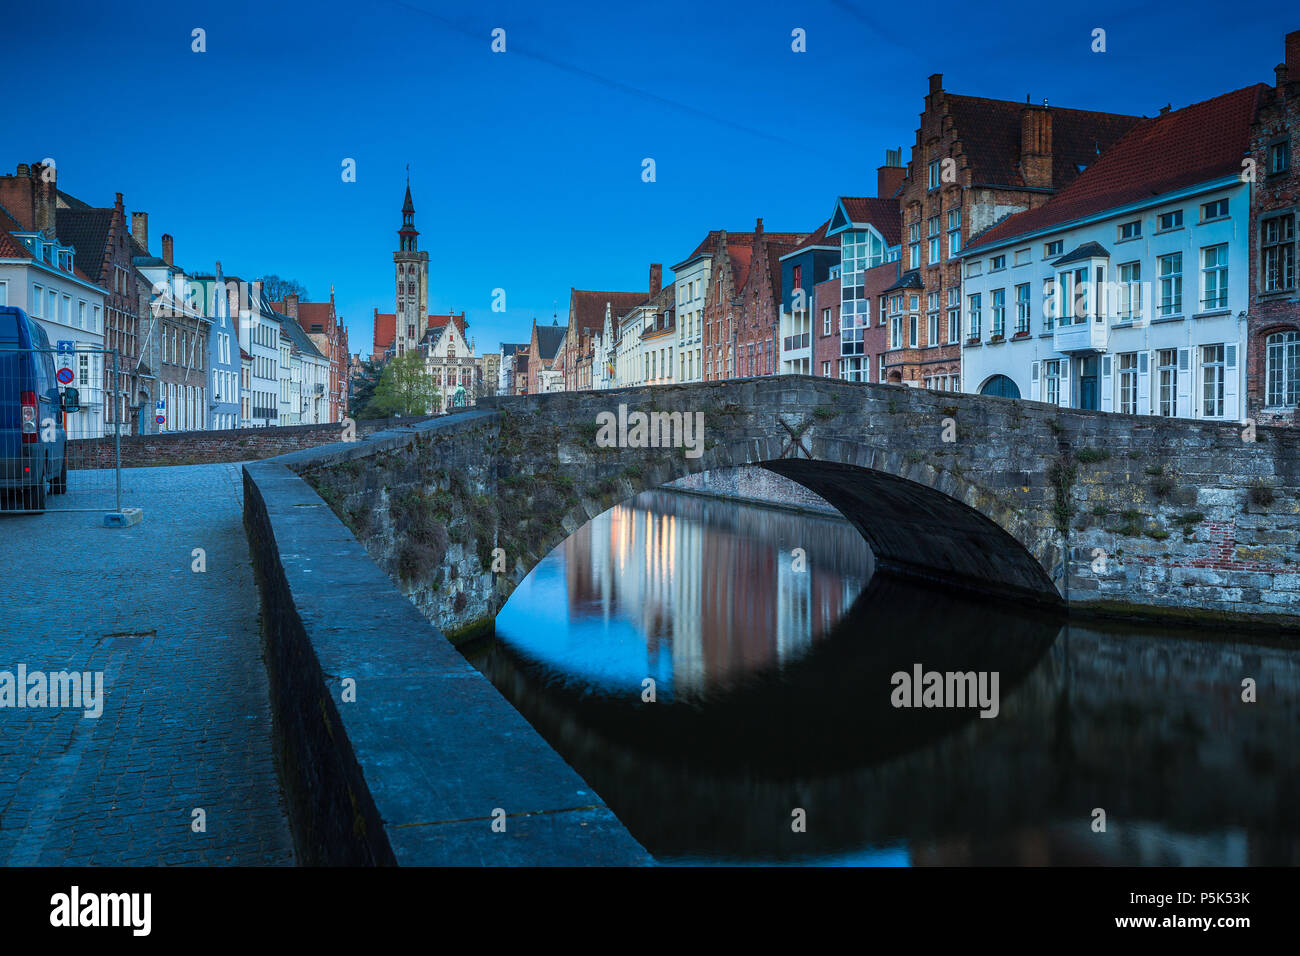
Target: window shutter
pixel 1107 390
pixel 1064 397
pixel 1184 383
pixel 1231 411
pixel 1144 383
pixel 1033 383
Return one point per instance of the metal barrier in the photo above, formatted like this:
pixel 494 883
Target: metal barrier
pixel 49 396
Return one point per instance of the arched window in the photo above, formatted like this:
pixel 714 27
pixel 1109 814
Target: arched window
pixel 1001 386
pixel 1282 369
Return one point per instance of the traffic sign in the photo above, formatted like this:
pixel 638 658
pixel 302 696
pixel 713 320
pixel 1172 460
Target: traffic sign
pixel 67 345
pixel 65 376
pixel 160 419
pixel 160 404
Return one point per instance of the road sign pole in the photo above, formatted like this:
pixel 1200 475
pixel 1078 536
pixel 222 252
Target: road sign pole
pixel 117 435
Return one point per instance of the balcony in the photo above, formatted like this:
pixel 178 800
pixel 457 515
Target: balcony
pixel 1089 335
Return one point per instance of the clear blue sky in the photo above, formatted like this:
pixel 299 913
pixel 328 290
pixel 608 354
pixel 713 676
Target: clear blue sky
pixel 526 167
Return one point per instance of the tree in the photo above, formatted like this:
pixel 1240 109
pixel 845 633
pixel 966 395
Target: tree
pixel 405 388
pixel 363 388
pixel 277 288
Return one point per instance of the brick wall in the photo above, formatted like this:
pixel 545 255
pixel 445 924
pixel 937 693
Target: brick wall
pixel 209 447
pixel 1273 312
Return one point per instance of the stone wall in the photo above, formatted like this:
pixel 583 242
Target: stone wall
pixel 756 485
pixel 395 750
pixel 212 447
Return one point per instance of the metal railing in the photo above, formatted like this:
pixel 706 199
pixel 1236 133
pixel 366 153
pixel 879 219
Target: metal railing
pixel 60 440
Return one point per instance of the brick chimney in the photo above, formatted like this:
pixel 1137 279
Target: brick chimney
pixel 291 305
pixel 167 248
pixel 936 83
pixel 758 228
pixel 889 177
pixel 656 278
pixel 140 229
pixel 1293 53
pixel 45 197
pixel 1036 146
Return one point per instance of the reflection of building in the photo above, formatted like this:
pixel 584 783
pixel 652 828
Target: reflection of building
pixel 656 562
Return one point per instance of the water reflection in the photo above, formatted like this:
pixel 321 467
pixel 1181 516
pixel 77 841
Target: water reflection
pixel 779 699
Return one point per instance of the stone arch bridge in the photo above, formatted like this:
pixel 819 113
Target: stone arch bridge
pixel 1102 512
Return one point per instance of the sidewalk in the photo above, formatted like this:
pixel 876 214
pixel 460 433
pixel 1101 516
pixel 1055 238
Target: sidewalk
pixel 186 720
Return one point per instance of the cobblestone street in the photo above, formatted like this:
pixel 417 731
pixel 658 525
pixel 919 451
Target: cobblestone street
pixel 186 720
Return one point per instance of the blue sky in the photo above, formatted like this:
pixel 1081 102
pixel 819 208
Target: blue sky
pixel 526 166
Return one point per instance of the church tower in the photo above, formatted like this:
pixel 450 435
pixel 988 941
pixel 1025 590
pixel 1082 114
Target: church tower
pixel 412 281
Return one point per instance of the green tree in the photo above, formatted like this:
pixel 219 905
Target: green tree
pixel 405 388
pixel 363 388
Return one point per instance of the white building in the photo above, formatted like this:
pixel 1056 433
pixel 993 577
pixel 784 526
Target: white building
pixel 691 279
pixel 37 274
pixel 259 336
pixel 1128 290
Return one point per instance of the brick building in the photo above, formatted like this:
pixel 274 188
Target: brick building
pixel 975 161
pixel 329 335
pixel 542 360
pixel 587 314
pixel 756 336
pixel 1273 321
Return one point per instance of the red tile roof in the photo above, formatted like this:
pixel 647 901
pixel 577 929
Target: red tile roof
pixel 587 308
pixel 386 326
pixel 818 238
pixel 1192 145
pixel 990 130
pixel 884 214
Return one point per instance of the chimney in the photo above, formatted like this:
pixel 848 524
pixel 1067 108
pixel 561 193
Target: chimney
pixel 1280 72
pixel 291 305
pixel 1293 53
pixel 44 198
pixel 140 229
pixel 1036 147
pixel 936 83
pixel 167 248
pixel 656 278
pixel 758 228
pixel 890 176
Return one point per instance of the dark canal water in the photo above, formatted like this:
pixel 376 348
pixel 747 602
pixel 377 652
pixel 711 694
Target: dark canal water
pixel 774 694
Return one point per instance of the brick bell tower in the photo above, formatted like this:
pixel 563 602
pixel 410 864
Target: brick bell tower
pixel 412 276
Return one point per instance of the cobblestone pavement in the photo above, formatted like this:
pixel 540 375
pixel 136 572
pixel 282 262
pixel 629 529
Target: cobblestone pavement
pixel 186 720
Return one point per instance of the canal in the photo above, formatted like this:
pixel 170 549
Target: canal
pixel 730 678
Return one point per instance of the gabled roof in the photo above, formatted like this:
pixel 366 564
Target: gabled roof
pixel 86 230
pixel 908 280
pixel 1196 144
pixel 1089 250
pixel 13 248
pixel 510 348
pixel 587 308
pixel 990 134
pixel 293 331
pixel 549 338
pixel 884 214
pixel 316 313
pixel 818 238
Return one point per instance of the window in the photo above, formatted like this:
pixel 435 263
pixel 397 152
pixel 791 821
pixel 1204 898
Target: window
pixel 1169 220
pixel 1022 257
pixel 826 369
pixel 1216 209
pixel 4 293
pixel 933 338
pixel 896 332
pixel 954 232
pixel 1052 381
pixel 935 253
pixel 912 302
pixel 798 276
pixel 1053 249
pixel 997 325
pixel 83 371
pixel 954 316
pixel 911 331
pixel 1130 230
pixel 1212 381
pixel 1022 308
pixel 1214 277
pixel 997 262
pixel 1128 383
pixel 1282 369
pixel 1171 283
pixel 914 247
pixel 1279 157
pixel 1167 382
pixel 1130 291
pixel 826 321
pixel 934 175
pixel 1277 247
pixel 973 312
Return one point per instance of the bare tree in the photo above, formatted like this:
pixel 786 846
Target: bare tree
pixel 277 288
